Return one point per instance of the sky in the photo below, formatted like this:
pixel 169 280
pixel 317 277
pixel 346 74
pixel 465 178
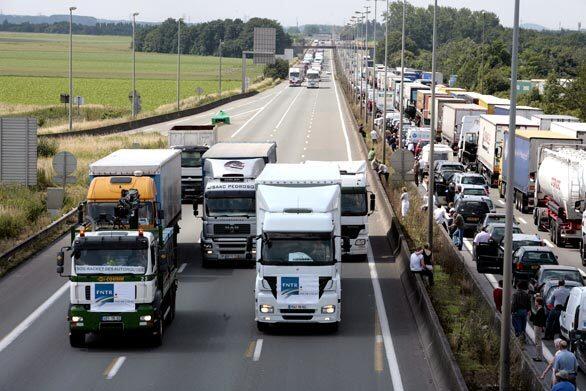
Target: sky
pixel 547 13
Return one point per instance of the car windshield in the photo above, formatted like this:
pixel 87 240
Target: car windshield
pixel 111 261
pixel 448 174
pixel 495 219
pixel 473 180
pixel 517 244
pixel 103 213
pixel 308 249
pixel 489 203
pixel 230 206
pixel 499 232
pixel 190 159
pixel 478 192
pixel 354 204
pixel 567 275
pixel 539 257
pixel 473 207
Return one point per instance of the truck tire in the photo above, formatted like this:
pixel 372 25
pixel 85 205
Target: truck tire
pixel 333 327
pixel 262 327
pixel 171 315
pixel 77 339
pixel 158 331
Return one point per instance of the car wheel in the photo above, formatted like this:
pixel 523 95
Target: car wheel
pixel 77 339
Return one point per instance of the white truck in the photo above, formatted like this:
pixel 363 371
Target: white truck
pixel 452 120
pixel 546 120
pixel 490 143
pixel 299 245
pixel 313 78
pixel 357 204
pixel 228 217
pixel 192 141
pixel 572 129
pixel 295 77
pixel 468 141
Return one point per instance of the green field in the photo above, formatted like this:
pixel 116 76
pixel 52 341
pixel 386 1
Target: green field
pixel 33 71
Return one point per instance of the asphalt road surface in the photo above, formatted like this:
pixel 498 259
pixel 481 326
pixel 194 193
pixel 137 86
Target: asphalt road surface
pixel 213 343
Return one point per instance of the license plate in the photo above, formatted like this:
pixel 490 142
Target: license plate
pixel 231 256
pixel 113 318
pixel 297 307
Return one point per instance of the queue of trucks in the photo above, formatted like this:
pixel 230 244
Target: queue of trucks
pixel 295 222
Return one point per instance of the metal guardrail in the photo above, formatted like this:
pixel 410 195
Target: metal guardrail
pixel 139 123
pixel 8 255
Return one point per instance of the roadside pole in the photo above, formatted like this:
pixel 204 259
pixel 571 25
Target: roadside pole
pixel 374 68
pixel 402 79
pixel 431 181
pixel 220 70
pixel 366 65
pixel 505 359
pixel 386 83
pixel 134 65
pixel 178 62
pixel 70 105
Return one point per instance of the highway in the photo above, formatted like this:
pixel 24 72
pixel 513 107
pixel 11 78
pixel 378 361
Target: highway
pixel 213 343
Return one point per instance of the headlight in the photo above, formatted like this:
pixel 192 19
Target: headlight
pixel 360 242
pixel 209 252
pixel 328 309
pixel 76 319
pixel 266 309
pixel 146 318
pixel 253 251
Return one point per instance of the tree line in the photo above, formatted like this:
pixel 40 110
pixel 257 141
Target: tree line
pixel 121 28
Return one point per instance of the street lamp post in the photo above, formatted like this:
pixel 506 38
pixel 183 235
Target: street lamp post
pixel 402 78
pixel 360 62
pixel 386 83
pixel 70 106
pixel 431 181
pixel 366 64
pixel 220 69
pixel 505 359
pixel 134 15
pixel 374 68
pixel 178 62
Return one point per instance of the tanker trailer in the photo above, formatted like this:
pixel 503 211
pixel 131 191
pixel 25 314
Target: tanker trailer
pixel 560 184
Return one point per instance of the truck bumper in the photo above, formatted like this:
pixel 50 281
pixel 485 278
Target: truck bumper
pixel 119 323
pixel 311 313
pixel 226 250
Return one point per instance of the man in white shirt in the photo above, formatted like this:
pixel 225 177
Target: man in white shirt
pixel 374 136
pixel 383 171
pixel 481 237
pixel 417 265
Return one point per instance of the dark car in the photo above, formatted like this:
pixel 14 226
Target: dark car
pixel 528 259
pixel 473 209
pixel 556 272
pixel 546 292
pixel 490 218
pixel 489 256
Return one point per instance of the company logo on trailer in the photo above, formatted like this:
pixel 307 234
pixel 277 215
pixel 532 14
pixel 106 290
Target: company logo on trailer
pixel 234 164
pixel 104 293
pixel 289 286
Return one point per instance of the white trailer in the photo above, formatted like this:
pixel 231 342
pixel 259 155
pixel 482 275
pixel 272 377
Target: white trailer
pixel 299 245
pixel 452 120
pixel 572 129
pixel 357 204
pixel 546 120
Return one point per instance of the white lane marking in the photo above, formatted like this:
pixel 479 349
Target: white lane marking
pixel 25 324
pixel 384 324
pixel 257 350
pixel 348 150
pixel 468 245
pixel 116 367
pixel 181 268
pixel 522 220
pixel 549 244
pixel 501 202
pixel 257 113
pixel 245 112
pixel 287 111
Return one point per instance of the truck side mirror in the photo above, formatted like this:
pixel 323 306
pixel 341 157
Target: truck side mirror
pixel 346 244
pixel 61 258
pixel 578 206
pixel 372 202
pixel 195 209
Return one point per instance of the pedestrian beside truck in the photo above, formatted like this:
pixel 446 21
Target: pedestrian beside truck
pixel 538 319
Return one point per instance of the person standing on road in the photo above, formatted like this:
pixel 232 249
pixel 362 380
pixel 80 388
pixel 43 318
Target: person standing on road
pixel 450 192
pixel 520 307
pixel 361 131
pixel 404 203
pixel 558 300
pixel 374 136
pixel 538 319
pixel 428 262
pixel 497 296
pixel 457 194
pixel 416 171
pixel 556 344
pixel 565 361
pixel 458 227
pixel 481 237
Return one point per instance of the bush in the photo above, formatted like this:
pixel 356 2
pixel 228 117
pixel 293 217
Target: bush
pixel 278 70
pixel 47 147
pixel 10 225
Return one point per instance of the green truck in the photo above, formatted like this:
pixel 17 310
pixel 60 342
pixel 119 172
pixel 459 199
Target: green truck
pixel 123 264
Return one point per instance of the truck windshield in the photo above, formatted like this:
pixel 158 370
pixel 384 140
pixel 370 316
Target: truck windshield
pixel 190 159
pixel 111 261
pixel 298 249
pixel 354 203
pixel 230 206
pixel 312 76
pixel 294 74
pixel 103 213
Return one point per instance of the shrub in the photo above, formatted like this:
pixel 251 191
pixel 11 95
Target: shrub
pixel 47 147
pixel 11 225
pixel 278 70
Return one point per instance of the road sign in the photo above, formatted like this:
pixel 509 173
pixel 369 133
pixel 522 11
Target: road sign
pixel 64 163
pixel 60 180
pixel 402 163
pixel 264 45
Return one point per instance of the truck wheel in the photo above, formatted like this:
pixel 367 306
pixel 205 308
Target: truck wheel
pixel 262 327
pixel 77 339
pixel 333 327
pixel 157 338
pixel 171 315
pixel 206 263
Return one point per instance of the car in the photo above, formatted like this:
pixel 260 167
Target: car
pixel 473 209
pixel 556 272
pixel 489 256
pixel 470 178
pixel 527 260
pixel 546 292
pixel 490 204
pixel 456 166
pixel 492 218
pixel 477 190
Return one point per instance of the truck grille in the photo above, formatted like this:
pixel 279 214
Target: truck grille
pixel 231 229
pixel 296 311
pixel 352 231
pixel 297 317
pixel 323 281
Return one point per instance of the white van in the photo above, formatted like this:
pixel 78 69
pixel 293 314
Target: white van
pixel 573 319
pixel 415 134
pixel 440 152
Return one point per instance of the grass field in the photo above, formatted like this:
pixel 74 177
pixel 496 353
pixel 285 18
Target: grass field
pixel 33 71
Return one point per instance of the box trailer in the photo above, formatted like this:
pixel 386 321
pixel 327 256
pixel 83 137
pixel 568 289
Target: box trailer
pixel 452 120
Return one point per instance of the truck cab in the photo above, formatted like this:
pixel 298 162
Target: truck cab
pixel 313 78
pixel 299 245
pixel 295 77
pixel 228 215
pixel 357 204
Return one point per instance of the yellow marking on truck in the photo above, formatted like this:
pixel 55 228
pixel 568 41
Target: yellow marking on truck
pixel 378 345
pixel 250 350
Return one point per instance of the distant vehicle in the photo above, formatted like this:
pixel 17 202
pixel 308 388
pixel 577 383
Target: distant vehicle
pixel 452 116
pixel 528 259
pixel 473 190
pixel 312 78
pixel 414 135
pixel 489 255
pixel 468 141
pixel 295 77
pixel 473 209
pixel 556 272
pixel 490 218
pixel 470 178
pixel 440 152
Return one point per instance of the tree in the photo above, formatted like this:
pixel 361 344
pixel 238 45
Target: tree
pixel 278 70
